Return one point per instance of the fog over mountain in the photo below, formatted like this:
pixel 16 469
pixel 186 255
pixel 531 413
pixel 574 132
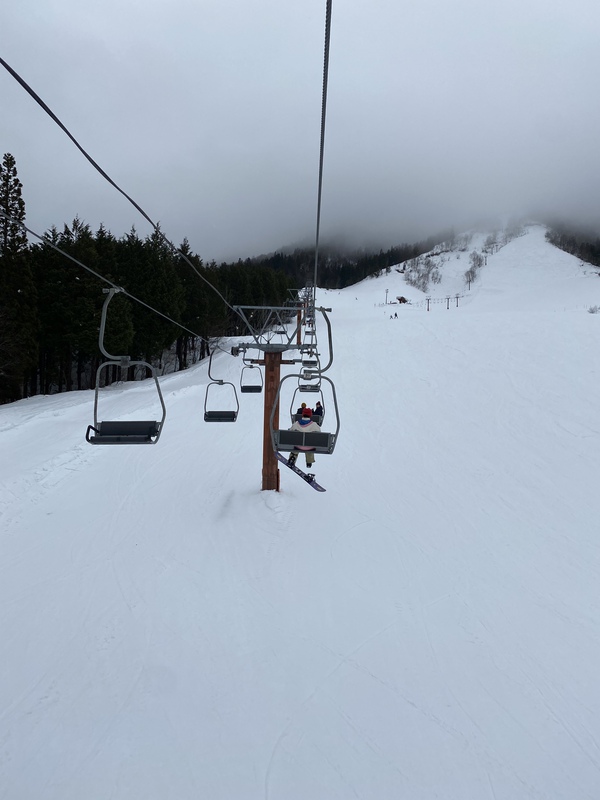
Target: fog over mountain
pixel 208 114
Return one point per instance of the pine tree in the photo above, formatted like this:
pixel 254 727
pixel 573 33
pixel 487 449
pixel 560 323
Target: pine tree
pixel 18 302
pixel 146 268
pixel 193 313
pixel 13 238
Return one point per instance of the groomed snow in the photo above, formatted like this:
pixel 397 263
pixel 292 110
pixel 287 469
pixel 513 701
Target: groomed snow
pixel 428 628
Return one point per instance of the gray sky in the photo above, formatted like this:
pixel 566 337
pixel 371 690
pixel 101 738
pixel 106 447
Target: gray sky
pixel 207 113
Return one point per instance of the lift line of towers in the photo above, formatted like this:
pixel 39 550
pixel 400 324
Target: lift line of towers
pixel 274 331
pixel 265 324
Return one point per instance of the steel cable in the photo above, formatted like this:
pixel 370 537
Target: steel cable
pixel 322 142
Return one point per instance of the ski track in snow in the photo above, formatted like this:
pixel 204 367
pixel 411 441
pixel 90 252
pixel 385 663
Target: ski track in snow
pixel 427 628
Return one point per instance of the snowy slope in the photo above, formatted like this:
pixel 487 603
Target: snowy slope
pixel 429 627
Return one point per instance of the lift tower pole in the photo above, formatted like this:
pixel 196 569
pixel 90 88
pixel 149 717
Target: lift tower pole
pixel 270 470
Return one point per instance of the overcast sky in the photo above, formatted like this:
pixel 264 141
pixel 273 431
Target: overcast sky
pixel 207 112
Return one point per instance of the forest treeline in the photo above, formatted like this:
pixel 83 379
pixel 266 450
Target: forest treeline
pixel 338 268
pixel 50 307
pixel 584 245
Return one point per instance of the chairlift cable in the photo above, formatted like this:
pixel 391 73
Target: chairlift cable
pixel 96 166
pixel 322 144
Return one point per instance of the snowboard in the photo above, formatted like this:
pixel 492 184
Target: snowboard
pixel 307 476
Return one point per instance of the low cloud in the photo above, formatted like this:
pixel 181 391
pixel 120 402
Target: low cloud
pixel 208 114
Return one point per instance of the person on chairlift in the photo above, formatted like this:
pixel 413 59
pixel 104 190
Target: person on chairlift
pixel 318 410
pixel 301 409
pixel 305 424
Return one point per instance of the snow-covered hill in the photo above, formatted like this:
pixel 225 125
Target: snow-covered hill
pixel 429 627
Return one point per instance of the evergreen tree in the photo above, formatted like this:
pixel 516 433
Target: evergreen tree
pixel 193 314
pixel 55 277
pixel 18 311
pixel 147 269
pixel 72 304
pixel 13 238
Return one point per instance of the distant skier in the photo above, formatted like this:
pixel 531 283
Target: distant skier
pixel 305 424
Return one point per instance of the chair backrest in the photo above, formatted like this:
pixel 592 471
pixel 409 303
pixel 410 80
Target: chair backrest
pixel 318 441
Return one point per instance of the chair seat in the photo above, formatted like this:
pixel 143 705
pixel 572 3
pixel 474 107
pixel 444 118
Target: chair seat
pixel 124 432
pixel 220 416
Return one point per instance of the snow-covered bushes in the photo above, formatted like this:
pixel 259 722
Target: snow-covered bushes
pixel 476 261
pixel 420 271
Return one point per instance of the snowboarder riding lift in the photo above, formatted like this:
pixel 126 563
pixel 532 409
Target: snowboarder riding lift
pixel 305 424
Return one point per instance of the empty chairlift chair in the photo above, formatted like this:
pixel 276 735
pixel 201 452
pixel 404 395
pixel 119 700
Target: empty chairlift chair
pixel 247 383
pixel 309 381
pixel 221 413
pixel 122 431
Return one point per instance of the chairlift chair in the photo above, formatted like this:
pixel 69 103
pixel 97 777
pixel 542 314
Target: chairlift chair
pixel 245 385
pixel 286 441
pixel 122 431
pixel 219 415
pixel 309 381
